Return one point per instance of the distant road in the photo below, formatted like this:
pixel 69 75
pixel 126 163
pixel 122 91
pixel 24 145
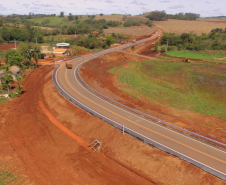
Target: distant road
pixel 69 82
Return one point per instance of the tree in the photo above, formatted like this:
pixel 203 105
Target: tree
pixel 61 14
pixel 27 54
pixel 7 79
pixel 157 16
pixel 19 87
pixel 13 57
pixel 110 40
pixel 70 17
pixel 1 40
pixel 101 14
pixel 36 54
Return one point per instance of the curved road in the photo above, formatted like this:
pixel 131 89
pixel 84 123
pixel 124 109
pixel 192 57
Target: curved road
pixel 68 81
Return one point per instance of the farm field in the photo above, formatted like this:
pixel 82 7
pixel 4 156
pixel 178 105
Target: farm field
pixel 54 22
pixel 136 30
pixel 181 26
pixel 194 55
pixel 115 17
pixel 179 85
pixel 64 36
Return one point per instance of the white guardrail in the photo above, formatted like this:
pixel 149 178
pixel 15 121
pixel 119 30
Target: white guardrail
pixel 129 131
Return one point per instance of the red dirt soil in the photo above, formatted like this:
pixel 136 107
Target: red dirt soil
pixel 96 75
pixel 6 47
pixel 216 21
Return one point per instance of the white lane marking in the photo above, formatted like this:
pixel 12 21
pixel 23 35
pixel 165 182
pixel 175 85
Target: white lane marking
pixel 134 131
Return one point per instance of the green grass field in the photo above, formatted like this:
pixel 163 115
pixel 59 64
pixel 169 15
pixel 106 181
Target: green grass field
pixel 8 178
pixel 114 69
pixel 3 100
pixel 55 22
pixel 194 55
pixel 188 86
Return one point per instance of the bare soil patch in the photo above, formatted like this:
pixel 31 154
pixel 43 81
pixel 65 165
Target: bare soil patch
pixel 109 85
pixel 181 26
pixel 109 17
pixel 6 47
pixel 133 30
pixel 64 36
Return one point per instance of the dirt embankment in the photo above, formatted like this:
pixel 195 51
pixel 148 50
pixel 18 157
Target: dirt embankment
pixel 35 139
pixel 109 85
pixel 44 137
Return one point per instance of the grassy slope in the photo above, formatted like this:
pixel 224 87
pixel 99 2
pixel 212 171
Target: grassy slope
pixel 56 21
pixel 8 178
pixel 3 100
pixel 193 55
pixel 193 87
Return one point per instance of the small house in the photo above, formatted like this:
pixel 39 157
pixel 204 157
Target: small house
pixel 15 71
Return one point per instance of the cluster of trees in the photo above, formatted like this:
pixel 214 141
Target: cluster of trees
pixel 219 30
pixel 72 17
pixel 16 19
pixel 157 16
pixel 184 16
pixel 29 34
pixel 93 42
pixel 22 58
pixel 131 23
pixel 163 16
pixel 119 38
pixel 96 41
pixel 190 41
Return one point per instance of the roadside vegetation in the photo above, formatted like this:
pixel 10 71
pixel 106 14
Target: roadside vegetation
pixel 8 178
pixel 3 100
pixel 215 40
pixel 194 55
pixel 194 87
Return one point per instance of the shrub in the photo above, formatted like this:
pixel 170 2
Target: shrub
pixel 163 49
pixel 12 95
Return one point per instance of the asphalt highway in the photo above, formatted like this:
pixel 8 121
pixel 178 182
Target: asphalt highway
pixel 69 82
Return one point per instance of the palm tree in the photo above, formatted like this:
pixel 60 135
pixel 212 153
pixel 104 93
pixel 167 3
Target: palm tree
pixel 27 54
pixel 36 54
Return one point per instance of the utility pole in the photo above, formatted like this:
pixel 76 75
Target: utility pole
pixel 167 42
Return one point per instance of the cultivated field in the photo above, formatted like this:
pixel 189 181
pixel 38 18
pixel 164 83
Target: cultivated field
pixel 116 17
pixel 136 30
pixel 181 26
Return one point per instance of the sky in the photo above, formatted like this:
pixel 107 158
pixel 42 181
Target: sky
pixel 205 8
